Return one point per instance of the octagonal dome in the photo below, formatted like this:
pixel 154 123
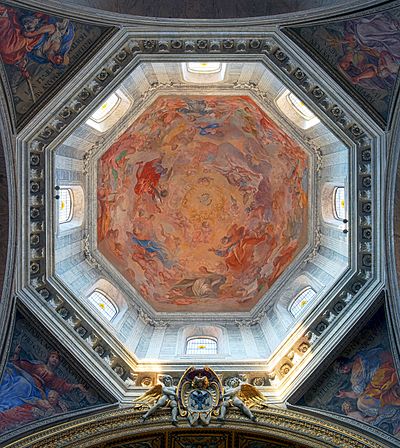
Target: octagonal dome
pixel 260 195
pixel 202 203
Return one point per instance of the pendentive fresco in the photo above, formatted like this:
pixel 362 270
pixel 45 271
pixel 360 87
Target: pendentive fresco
pixel 38 382
pixel 39 51
pixel 362 382
pixel 202 203
pixel 364 52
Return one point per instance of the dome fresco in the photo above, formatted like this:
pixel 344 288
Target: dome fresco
pixel 202 203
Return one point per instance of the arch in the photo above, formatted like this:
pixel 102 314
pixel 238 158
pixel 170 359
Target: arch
pixel 110 111
pixel 296 110
pixel 275 427
pixel 202 72
pixel 65 205
pixel 216 333
pixel 113 294
pixel 338 203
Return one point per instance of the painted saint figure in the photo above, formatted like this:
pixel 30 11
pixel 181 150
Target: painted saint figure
pixel 151 247
pixel 29 389
pixel 36 37
pixel 373 378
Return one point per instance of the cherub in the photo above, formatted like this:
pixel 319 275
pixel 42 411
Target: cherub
pixel 162 395
pixel 242 396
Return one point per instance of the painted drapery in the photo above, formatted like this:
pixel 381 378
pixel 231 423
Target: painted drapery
pixel 362 383
pixel 37 381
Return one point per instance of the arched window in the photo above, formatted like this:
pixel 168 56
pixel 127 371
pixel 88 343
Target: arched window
pixel 104 111
pixel 339 205
pixel 114 107
pixel 201 346
pixel 301 108
pixel 204 67
pixel 66 204
pixel 295 109
pixel 103 304
pixel 302 300
pixel 203 72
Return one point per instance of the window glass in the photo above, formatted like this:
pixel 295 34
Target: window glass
pixel 339 205
pixel 106 108
pixel 302 300
pixel 300 107
pixel 103 304
pixel 204 67
pixel 201 346
pixel 65 205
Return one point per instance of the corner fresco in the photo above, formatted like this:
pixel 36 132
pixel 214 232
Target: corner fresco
pixel 362 383
pixel 202 203
pixel 38 383
pixel 39 50
pixel 363 51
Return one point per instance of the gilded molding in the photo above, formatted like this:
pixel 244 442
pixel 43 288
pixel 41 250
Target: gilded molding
pixel 286 425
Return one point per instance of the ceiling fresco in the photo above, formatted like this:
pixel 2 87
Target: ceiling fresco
pixel 202 203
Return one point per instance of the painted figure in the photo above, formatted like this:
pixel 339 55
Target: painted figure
pixel 372 50
pixel 237 247
pixel 188 216
pixel 32 410
pixel 36 37
pixel 29 389
pixel 148 176
pixel 373 379
pixel 206 286
pixel 152 247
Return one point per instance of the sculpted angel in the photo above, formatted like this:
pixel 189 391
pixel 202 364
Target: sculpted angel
pixel 242 396
pixel 163 395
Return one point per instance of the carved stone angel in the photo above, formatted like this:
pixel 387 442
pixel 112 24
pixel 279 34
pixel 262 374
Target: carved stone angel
pixel 159 396
pixel 242 396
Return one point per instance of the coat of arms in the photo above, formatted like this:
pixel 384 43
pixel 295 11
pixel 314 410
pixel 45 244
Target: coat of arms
pixel 200 395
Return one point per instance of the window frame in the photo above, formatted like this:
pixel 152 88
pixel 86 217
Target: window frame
pixel 109 303
pixel 335 210
pixel 71 205
pixel 294 304
pixel 200 339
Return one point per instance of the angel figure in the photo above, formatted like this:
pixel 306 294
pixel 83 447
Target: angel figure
pixel 242 396
pixel 162 395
